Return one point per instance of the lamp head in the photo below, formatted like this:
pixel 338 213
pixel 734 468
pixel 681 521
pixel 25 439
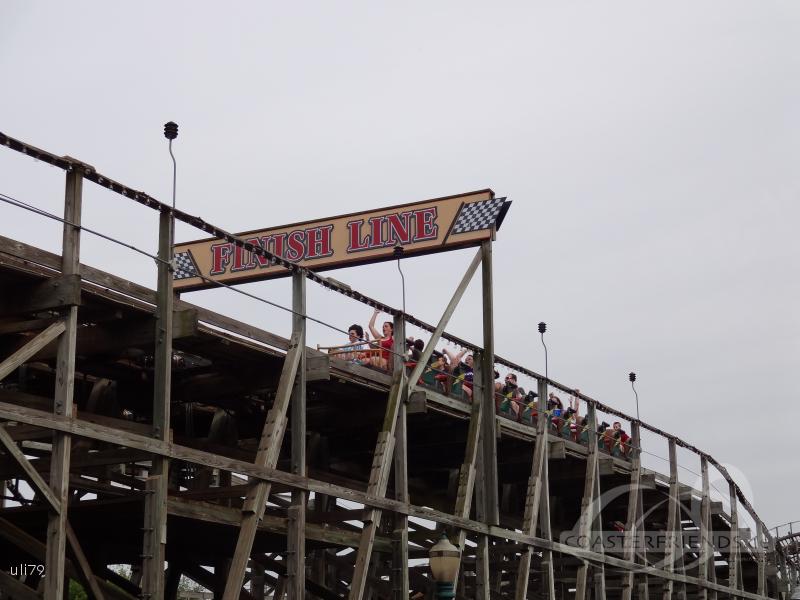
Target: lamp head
pixel 398 251
pixel 445 559
pixel 631 377
pixel 170 130
pixel 542 327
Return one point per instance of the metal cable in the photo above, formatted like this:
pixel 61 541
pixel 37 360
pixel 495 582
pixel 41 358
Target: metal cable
pixel 29 207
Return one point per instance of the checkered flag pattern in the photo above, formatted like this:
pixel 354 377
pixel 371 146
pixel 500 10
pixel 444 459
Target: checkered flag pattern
pixel 185 267
pixel 478 215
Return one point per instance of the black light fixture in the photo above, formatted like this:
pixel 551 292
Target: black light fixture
pixel 171 132
pixel 542 329
pixel 632 379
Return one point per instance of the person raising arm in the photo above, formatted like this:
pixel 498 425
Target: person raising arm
pixel 385 340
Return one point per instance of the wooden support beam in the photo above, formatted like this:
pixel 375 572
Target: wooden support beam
pixel 706 568
pixel 65 388
pixel 632 525
pixel 155 526
pixel 468 472
pixel 547 572
pixel 599 570
pixel 482 562
pixel 734 560
pixel 327 534
pixel 673 522
pixel 27 326
pixel 296 541
pixel 56 293
pixel 486 394
pixel 30 349
pixel 536 483
pixel 587 503
pixel 643 587
pixel 378 481
pixel 267 457
pixel 762 559
pixel 37 481
pixel 399 576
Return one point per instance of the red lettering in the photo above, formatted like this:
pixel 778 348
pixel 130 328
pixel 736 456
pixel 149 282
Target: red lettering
pixel 256 259
pixel 356 243
pixel 376 231
pixel 278 244
pixel 296 248
pixel 427 229
pixel 220 258
pixel 242 259
pixel 400 228
pixel 319 241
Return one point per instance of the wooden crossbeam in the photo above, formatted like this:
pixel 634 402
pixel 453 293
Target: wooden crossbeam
pixel 29 350
pixel 267 456
pixel 55 293
pixel 27 326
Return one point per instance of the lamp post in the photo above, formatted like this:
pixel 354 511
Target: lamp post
pixel 632 379
pixel 445 559
pixel 542 329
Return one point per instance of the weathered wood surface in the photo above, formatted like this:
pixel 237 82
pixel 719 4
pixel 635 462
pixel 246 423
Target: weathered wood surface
pixel 267 457
pixel 64 394
pixel 174 451
pixel 31 349
pixel 57 293
pixel 296 513
pixel 533 498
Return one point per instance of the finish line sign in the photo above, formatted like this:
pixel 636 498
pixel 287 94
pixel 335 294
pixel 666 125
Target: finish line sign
pixel 344 241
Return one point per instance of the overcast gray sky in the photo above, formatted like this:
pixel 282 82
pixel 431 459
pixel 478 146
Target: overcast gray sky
pixel 651 151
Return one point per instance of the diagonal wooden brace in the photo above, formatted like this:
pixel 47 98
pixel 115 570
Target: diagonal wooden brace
pixel 267 456
pixel 30 349
pixel 378 481
pixel 39 484
pixel 448 312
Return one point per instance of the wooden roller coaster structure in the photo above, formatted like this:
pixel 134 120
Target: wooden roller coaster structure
pixel 296 473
